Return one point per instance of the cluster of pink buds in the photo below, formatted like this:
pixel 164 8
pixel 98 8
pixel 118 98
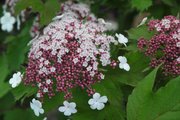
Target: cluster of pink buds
pixel 164 46
pixel 68 53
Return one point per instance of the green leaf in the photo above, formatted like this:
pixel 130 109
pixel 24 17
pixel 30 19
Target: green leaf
pixel 23 91
pixel 51 8
pixel 138 32
pixel 46 10
pixel 18 48
pixel 138 62
pixel 113 109
pixel 164 104
pixel 141 5
pixel 169 2
pixel 53 103
pixel 20 114
pixel 7 101
pixel 4 68
pixel 4 88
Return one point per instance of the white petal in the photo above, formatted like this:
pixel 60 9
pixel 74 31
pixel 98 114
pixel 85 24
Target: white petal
pixel 36 112
pixel 73 110
pixel 96 96
pixel 31 105
pixel 66 103
pixel 93 106
pixel 67 112
pixel 14 85
pixel 12 20
pixel 9 27
pixel 126 67
pixel 122 59
pixel 41 111
pixel 103 99
pixel 72 105
pixel 121 66
pixel 100 106
pixel 3 27
pixel 91 101
pixel 62 109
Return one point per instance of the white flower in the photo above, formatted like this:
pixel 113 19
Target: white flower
pixel 178 59
pixel 123 63
pixel 7 22
pixel 97 102
pixel 178 44
pixel 143 21
pixel 36 106
pixel 112 25
pixel 122 39
pixel 68 108
pixel 58 17
pixel 16 79
pixel 45 118
pixel 101 20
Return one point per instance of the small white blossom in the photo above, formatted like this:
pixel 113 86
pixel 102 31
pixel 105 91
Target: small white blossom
pixel 178 44
pixel 16 79
pixel 36 106
pixel 7 22
pixel 68 108
pixel 52 69
pixel 48 81
pixel 112 25
pixel 97 102
pixel 123 63
pixel 102 76
pixel 143 21
pixel 45 90
pixel 178 59
pixel 38 95
pixel 45 118
pixel 58 17
pixel 122 39
pixel 75 60
pixel 101 20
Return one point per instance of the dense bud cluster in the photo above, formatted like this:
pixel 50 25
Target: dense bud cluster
pixel 164 46
pixel 68 52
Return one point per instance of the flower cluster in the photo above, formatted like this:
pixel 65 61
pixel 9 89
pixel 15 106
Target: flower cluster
pixel 164 46
pixel 67 54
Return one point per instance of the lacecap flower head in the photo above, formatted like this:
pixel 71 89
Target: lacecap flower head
pixel 163 48
pixel 68 52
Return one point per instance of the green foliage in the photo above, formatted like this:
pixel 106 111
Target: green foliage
pixel 4 89
pixel 113 109
pixel 20 114
pixel 22 91
pixel 138 32
pixel 46 10
pixel 141 5
pixel 160 105
pixel 136 73
pixel 4 68
pixel 17 48
pixel 143 104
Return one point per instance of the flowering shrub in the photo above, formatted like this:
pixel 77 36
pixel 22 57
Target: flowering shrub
pixel 89 60
pixel 163 47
